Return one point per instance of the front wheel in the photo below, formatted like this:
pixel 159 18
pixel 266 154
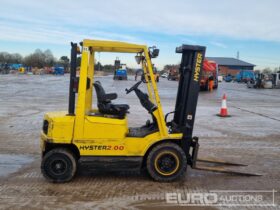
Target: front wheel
pixel 59 165
pixel 167 162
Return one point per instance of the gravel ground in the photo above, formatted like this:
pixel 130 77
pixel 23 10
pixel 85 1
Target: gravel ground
pixel 250 136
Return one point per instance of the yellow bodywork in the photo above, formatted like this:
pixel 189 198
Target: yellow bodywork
pixel 104 136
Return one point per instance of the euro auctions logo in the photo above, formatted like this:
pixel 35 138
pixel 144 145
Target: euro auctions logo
pixel 223 198
pixel 192 198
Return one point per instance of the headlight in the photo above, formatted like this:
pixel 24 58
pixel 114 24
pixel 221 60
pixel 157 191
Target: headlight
pixel 45 127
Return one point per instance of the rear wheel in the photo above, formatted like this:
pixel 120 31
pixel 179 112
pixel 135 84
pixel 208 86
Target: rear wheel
pixel 166 162
pixel 59 165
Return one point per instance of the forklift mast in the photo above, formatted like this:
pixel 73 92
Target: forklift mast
pixel 117 64
pixel 73 79
pixel 188 89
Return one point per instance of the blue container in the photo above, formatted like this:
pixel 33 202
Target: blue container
pixel 245 76
pixel 121 72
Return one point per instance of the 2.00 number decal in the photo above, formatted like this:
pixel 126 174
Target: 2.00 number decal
pixel 101 147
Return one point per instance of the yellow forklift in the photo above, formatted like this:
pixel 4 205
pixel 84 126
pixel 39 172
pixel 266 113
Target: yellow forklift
pixel 155 72
pixel 100 136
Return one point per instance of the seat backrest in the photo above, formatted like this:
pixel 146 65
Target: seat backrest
pixel 100 93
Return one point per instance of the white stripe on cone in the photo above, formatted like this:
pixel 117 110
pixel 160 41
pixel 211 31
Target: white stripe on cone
pixel 224 104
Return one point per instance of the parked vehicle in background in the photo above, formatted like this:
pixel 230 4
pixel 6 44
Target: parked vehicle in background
pixel 164 75
pixel 156 75
pixel 220 78
pixel 276 79
pixel 228 78
pixel 261 81
pixel 210 70
pixel 173 74
pixel 15 66
pixel 120 72
pixel 58 70
pixel 5 68
pixel 244 76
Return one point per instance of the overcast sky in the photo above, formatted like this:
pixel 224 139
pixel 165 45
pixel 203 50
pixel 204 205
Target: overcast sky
pixel 224 26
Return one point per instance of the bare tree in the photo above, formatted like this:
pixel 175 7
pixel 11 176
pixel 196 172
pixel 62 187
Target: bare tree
pixel 16 58
pixel 10 58
pixel 277 69
pixel 5 57
pixel 49 59
pixel 267 71
pixel 40 59
pixel 28 60
pixel 64 60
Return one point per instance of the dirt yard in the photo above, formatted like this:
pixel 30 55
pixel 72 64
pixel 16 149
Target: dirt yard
pixel 250 136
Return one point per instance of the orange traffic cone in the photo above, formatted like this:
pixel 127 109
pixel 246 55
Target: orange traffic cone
pixel 223 111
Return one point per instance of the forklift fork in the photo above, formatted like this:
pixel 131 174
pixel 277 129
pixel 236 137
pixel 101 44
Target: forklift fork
pixel 219 165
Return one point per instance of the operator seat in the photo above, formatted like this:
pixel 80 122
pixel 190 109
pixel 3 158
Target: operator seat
pixel 105 105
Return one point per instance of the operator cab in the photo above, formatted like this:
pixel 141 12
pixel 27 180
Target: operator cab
pixel 118 111
pixel 107 108
pixel 109 115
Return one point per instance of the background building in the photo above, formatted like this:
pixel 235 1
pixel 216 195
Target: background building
pixel 231 65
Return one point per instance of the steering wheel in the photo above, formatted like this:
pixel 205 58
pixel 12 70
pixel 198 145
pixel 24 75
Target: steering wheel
pixel 133 87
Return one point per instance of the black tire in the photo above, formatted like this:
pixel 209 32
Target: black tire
pixel 166 162
pixel 157 79
pixel 59 165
